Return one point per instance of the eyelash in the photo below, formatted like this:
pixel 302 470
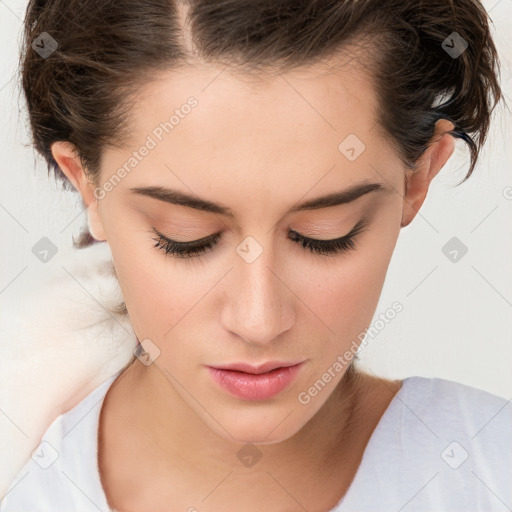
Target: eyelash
pixel 320 247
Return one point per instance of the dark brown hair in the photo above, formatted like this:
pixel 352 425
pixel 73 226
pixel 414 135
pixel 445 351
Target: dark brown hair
pixel 414 51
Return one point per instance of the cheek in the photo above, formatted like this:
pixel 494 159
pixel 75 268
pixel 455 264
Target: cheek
pixel 164 296
pixel 153 296
pixel 344 294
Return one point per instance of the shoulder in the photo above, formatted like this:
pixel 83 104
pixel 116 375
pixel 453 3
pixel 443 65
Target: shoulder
pixel 455 443
pixel 462 422
pixel 421 404
pixel 62 471
pixel 440 445
pixel 458 407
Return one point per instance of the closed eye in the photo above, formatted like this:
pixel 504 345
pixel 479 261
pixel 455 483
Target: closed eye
pixel 321 247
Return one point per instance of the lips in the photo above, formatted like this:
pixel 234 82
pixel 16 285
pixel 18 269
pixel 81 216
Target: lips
pixel 241 381
pixel 258 369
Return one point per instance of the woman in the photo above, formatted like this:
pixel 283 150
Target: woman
pixel 250 165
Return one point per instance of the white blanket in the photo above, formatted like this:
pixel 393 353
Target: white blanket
pixel 58 343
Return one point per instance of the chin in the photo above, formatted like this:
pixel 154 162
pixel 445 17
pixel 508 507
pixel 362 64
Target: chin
pixel 258 427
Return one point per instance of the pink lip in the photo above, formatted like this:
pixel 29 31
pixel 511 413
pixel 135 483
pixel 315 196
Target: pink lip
pixel 262 368
pixel 252 385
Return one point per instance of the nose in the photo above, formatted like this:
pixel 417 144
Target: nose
pixel 259 305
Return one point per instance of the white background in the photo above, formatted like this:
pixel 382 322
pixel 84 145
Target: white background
pixel 457 317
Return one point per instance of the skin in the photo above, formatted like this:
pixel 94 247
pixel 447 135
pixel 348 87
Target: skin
pixel 168 434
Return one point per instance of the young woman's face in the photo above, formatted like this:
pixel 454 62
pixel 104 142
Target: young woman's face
pixel 253 153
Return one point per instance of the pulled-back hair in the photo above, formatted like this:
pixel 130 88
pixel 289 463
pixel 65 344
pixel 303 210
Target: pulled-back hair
pixel 414 52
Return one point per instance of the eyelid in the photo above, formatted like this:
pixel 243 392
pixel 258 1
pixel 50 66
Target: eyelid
pixel 361 224
pixel 321 240
pixel 197 241
pixel 326 226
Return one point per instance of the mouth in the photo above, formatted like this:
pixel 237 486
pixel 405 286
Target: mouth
pixel 250 385
pixel 258 369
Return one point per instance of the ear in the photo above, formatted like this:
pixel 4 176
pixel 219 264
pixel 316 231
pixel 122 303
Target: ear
pixel 430 163
pixel 68 160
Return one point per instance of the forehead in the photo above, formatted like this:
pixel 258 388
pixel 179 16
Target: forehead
pixel 256 133
pixel 330 97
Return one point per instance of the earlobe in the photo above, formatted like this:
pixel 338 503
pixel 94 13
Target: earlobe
pixel 94 221
pixel 414 196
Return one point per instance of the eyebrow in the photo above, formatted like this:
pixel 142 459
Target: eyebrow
pixel 336 198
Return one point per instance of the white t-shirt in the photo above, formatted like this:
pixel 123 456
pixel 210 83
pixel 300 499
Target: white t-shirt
pixel 439 446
